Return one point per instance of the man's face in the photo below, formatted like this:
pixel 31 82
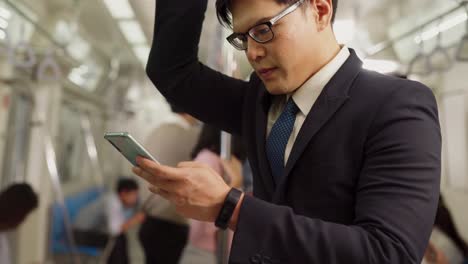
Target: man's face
pixel 129 198
pixel 287 61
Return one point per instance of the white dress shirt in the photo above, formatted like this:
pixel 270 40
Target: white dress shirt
pixel 305 97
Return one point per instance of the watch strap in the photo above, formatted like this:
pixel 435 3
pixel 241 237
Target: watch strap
pixel 230 203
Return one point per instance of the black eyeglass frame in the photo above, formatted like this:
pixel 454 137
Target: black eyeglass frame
pixel 270 23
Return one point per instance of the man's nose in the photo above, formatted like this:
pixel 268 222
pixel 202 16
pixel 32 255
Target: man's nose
pixel 255 51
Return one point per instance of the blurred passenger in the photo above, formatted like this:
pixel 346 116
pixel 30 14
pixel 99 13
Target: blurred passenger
pixel 446 243
pixel 203 235
pixel 110 216
pixel 164 233
pixel 16 202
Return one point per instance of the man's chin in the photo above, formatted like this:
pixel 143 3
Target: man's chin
pixel 275 89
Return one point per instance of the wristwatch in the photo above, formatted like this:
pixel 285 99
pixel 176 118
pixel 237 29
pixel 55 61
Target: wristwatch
pixel 230 203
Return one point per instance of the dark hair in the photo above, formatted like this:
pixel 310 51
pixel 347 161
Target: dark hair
pixel 126 185
pixel 16 202
pixel 223 10
pixel 210 138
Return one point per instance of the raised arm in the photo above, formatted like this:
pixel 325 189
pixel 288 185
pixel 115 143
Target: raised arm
pixel 174 68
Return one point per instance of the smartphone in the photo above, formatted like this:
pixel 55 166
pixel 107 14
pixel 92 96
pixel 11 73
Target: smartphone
pixel 128 146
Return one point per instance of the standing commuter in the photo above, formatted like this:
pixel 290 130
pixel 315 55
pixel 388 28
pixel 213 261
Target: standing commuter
pixel 346 162
pixel 164 233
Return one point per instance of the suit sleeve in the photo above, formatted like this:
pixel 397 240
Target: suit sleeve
pixel 396 198
pixel 174 68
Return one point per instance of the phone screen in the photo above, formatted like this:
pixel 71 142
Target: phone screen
pixel 128 146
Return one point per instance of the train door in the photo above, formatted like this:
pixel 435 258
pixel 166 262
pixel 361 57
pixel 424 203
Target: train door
pixel 81 126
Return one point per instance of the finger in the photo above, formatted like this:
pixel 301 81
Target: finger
pixel 159 191
pixel 161 171
pixel 190 164
pixel 167 195
pixel 167 185
pixel 161 183
pixel 138 171
pixel 143 174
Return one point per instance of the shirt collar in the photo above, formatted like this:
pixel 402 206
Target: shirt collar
pixel 307 94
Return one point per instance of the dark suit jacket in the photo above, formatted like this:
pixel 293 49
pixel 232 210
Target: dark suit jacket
pixel 362 182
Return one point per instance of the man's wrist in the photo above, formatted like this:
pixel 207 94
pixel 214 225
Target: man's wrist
pixel 235 215
pixel 228 207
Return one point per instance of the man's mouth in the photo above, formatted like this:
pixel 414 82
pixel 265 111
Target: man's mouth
pixel 266 72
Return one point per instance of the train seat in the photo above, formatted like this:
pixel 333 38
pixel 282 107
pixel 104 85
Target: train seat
pixel 73 203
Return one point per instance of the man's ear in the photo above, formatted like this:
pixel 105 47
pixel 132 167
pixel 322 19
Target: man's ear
pixel 323 12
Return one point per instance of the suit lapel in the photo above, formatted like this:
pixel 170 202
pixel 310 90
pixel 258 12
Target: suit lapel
pixel 261 118
pixel 333 96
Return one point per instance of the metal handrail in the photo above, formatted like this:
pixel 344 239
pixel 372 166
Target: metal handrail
pixel 420 56
pixel 440 50
pixel 51 160
pixel 222 248
pixel 389 43
pixel 464 40
pixel 49 64
pixel 91 147
pixel 46 33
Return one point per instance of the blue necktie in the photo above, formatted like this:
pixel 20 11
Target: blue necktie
pixel 278 139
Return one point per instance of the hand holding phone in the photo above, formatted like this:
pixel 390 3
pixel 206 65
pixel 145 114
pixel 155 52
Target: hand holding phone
pixel 128 146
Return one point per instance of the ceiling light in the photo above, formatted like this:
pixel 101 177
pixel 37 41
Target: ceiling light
pixel 120 9
pixel 132 31
pixel 3 23
pixel 5 13
pixel 2 34
pixel 382 66
pixel 77 77
pixel 79 48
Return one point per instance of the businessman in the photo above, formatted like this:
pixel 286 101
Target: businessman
pixel 346 161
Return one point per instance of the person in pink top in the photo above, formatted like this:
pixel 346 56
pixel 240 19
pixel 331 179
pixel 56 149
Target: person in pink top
pixel 202 237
